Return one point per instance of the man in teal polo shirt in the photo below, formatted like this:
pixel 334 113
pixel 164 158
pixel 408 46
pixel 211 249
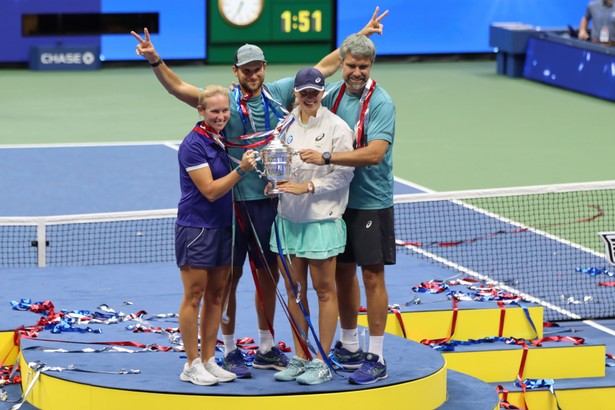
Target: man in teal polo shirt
pixel 368 109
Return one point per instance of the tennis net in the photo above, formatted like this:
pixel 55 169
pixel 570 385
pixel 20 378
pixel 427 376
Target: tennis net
pixel 90 239
pixel 540 242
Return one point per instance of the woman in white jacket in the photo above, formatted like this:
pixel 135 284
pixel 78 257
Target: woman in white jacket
pixel 309 230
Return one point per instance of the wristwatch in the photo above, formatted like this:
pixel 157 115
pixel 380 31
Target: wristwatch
pixel 326 156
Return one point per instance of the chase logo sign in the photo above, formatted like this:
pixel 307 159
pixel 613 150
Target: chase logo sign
pixel 86 58
pixel 65 58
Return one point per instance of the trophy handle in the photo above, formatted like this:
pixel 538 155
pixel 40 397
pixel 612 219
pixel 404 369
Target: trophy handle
pixel 258 156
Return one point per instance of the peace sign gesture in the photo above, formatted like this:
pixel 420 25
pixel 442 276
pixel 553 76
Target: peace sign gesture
pixel 374 25
pixel 145 47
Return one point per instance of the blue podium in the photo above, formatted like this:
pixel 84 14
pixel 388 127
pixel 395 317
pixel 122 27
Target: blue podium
pixel 510 39
pixel 573 64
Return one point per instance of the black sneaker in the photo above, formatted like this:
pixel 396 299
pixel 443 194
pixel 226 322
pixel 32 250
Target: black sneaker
pixel 273 359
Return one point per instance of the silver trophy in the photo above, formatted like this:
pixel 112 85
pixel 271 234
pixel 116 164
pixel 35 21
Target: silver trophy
pixel 277 160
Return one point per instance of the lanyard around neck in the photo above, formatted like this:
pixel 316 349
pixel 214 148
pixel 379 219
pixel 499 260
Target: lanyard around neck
pixel 241 101
pixel 203 129
pixel 362 117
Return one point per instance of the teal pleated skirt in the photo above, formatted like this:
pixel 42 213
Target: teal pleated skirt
pixel 312 240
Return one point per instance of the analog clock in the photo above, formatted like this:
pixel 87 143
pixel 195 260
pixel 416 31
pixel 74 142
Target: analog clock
pixel 240 12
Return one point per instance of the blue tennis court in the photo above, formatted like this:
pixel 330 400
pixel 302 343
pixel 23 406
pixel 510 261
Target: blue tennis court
pixel 79 180
pixel 63 180
pixel 76 181
pixel 83 179
pixel 121 179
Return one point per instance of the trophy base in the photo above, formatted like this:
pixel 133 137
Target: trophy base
pixel 274 191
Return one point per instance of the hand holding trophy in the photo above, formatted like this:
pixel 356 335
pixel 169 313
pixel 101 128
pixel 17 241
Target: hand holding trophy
pixel 277 158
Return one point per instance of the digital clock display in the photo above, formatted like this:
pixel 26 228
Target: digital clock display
pixel 281 25
pixel 302 20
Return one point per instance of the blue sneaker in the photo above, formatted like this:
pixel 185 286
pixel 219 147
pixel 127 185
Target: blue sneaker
pixel 343 359
pixel 370 372
pixel 234 362
pixel 273 359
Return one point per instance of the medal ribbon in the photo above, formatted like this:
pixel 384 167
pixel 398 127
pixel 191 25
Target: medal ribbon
pixel 363 118
pixel 268 103
pixel 242 107
pixel 262 137
pixel 272 101
pixel 204 129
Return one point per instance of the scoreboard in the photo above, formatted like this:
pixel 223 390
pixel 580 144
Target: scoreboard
pixel 288 31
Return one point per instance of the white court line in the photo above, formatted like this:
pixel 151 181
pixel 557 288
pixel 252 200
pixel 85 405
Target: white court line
pixel 598 326
pixel 413 185
pixel 172 145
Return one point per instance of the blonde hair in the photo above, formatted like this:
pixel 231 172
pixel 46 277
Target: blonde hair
pixel 210 91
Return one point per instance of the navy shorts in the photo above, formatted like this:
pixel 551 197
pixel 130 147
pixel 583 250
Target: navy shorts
pixel 371 237
pixel 255 216
pixel 203 247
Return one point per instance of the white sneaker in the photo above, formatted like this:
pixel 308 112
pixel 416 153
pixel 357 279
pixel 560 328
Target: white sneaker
pixel 196 373
pixel 218 372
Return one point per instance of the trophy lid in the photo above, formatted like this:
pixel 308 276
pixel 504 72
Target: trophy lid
pixel 276 145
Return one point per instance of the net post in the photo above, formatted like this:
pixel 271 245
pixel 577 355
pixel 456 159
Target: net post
pixel 41 234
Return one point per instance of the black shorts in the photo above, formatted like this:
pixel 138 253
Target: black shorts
pixel 371 237
pixel 259 214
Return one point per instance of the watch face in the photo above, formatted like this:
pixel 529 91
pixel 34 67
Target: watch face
pixel 240 12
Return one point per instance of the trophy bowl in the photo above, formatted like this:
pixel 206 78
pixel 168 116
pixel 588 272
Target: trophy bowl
pixel 277 160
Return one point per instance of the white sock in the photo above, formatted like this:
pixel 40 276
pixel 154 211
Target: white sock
pixel 265 342
pixel 350 339
pixel 375 346
pixel 229 343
